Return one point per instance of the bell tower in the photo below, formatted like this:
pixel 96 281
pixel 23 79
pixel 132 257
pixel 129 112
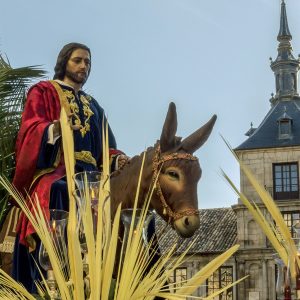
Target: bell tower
pixel 272 152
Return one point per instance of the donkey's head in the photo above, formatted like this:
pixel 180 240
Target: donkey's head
pixel 178 174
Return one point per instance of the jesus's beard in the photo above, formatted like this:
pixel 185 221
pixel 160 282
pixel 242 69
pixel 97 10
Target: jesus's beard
pixel 76 77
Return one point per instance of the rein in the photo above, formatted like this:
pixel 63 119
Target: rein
pixel 157 163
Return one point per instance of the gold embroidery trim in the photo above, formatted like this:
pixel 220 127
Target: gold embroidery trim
pixel 87 112
pixel 86 156
pixel 74 111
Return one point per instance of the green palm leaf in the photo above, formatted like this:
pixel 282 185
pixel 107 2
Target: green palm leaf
pixel 13 85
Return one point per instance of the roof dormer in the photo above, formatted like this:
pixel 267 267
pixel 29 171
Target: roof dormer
pixel 285 123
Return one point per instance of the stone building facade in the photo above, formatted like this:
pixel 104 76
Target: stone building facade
pixel 272 152
pixel 256 256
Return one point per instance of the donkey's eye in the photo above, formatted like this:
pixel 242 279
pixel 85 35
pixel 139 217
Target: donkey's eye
pixel 174 175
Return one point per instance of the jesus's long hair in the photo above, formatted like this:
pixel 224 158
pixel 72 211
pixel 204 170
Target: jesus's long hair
pixel 63 57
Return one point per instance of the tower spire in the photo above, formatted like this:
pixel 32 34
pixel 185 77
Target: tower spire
pixel 284 31
pixel 285 67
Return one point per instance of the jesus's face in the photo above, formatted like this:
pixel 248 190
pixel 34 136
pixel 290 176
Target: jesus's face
pixel 78 67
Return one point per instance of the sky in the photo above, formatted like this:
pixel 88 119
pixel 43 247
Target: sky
pixel 209 57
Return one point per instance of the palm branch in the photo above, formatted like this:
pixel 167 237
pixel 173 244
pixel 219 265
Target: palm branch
pixel 13 85
pixel 279 235
pixel 131 281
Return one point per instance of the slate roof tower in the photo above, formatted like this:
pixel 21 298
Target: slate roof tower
pixel 281 126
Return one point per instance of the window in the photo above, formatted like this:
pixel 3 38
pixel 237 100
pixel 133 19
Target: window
pixel 285 123
pixel 286 181
pixel 291 218
pixel 284 128
pixel 178 278
pixel 219 279
pixel 253 237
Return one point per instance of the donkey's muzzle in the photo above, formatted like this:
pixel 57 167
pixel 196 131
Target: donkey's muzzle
pixel 187 225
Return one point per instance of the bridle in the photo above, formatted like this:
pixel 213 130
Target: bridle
pixel 157 162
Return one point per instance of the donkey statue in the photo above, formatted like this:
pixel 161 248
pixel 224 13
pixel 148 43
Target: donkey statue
pixel 175 191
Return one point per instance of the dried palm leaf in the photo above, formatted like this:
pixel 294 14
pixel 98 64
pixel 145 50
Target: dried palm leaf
pixel 132 282
pixel 76 268
pixel 280 237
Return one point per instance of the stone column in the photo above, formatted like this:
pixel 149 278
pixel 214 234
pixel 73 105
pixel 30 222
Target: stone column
pixel 241 290
pixel 271 279
pixel 265 280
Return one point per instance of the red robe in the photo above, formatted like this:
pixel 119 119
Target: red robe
pixel 42 107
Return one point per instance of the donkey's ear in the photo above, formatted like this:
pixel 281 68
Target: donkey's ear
pixel 167 138
pixel 199 137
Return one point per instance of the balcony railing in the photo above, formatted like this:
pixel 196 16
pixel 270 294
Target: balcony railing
pixel 282 195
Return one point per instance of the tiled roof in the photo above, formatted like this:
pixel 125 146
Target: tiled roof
pixel 267 134
pixel 217 232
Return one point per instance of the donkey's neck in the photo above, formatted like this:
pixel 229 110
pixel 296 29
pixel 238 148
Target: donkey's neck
pixel 124 185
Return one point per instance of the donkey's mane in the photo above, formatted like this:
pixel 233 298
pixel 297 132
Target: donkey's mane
pixel 134 160
pixel 124 182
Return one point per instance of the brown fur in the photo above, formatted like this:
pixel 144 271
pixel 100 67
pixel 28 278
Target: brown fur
pixel 124 184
